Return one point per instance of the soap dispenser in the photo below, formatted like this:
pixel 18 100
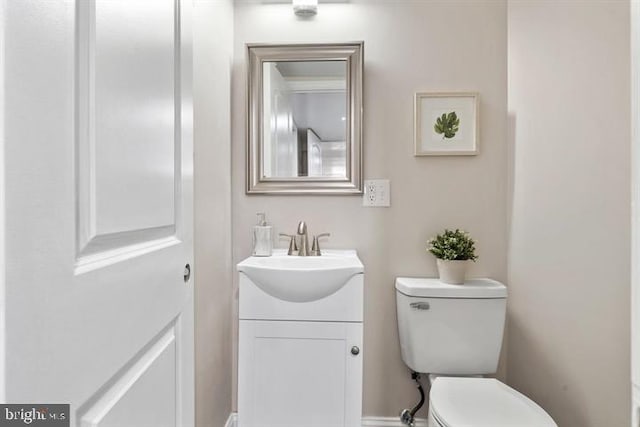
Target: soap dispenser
pixel 262 237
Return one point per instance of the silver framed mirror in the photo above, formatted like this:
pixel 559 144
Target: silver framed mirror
pixel 304 127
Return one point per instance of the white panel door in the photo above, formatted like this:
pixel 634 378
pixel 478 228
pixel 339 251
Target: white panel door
pixel 281 142
pixel 294 374
pixel 635 214
pixel 97 308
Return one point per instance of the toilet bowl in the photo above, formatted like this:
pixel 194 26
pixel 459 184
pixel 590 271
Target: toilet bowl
pixel 482 402
pixel 454 333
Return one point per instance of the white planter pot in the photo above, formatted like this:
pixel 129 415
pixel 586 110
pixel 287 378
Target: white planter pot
pixel 452 272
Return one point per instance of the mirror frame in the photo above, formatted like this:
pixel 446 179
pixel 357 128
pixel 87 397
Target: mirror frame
pixel 257 54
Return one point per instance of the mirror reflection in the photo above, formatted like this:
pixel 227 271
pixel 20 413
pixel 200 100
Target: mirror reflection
pixel 305 115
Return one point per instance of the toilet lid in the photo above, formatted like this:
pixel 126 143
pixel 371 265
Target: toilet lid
pixel 483 402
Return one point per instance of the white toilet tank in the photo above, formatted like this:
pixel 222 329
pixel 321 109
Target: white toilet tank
pixel 451 329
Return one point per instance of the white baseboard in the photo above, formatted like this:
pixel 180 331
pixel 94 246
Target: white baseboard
pixel 366 421
pixel 389 422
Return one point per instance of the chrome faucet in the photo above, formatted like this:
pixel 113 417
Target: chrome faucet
pixel 303 250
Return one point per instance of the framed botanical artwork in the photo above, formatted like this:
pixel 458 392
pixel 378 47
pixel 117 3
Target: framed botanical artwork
pixel 446 124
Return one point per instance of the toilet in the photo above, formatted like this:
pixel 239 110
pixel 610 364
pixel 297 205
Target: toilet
pixel 454 334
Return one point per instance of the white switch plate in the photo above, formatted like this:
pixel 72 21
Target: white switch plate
pixel 376 193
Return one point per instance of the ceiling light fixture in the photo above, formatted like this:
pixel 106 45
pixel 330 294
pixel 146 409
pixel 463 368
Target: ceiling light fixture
pixel 305 8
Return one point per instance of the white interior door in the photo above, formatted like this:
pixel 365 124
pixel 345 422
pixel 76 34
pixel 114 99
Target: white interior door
pixel 635 215
pixel 282 134
pixel 98 209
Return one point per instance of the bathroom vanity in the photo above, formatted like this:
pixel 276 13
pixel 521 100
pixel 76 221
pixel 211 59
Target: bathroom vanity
pixel 300 340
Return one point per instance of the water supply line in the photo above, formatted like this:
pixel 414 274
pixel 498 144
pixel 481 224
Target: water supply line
pixel 407 416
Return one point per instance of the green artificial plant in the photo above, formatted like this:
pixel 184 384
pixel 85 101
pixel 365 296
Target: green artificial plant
pixel 453 246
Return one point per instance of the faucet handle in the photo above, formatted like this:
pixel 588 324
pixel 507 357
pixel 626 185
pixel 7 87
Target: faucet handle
pixel 315 246
pixel 293 246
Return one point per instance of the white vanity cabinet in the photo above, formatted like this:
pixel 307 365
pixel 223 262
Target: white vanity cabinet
pixel 300 363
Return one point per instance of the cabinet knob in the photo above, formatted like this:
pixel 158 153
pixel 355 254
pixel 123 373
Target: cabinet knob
pixel 355 350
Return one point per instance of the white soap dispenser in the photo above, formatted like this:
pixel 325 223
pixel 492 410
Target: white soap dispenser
pixel 262 237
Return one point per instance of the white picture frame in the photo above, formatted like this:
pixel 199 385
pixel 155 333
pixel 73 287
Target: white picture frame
pixel 446 124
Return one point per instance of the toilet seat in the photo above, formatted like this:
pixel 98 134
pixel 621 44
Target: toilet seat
pixel 483 402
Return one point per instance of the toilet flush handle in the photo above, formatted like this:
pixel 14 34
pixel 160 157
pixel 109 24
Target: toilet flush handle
pixel 420 305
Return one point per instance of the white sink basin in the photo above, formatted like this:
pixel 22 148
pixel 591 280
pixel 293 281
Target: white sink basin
pixel 302 279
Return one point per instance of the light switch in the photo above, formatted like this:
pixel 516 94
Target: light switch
pixel 376 193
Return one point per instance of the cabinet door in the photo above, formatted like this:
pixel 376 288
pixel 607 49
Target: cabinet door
pixel 299 373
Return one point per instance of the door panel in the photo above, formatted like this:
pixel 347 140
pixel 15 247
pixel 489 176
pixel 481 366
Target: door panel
pixel 134 114
pixel 128 97
pixel 146 382
pixel 98 209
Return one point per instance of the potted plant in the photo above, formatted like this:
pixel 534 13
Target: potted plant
pixel 453 250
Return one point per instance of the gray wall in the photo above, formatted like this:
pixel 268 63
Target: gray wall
pixel 409 47
pixel 569 84
pixel 213 41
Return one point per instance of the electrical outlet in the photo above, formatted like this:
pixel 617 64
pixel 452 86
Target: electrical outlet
pixel 376 193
